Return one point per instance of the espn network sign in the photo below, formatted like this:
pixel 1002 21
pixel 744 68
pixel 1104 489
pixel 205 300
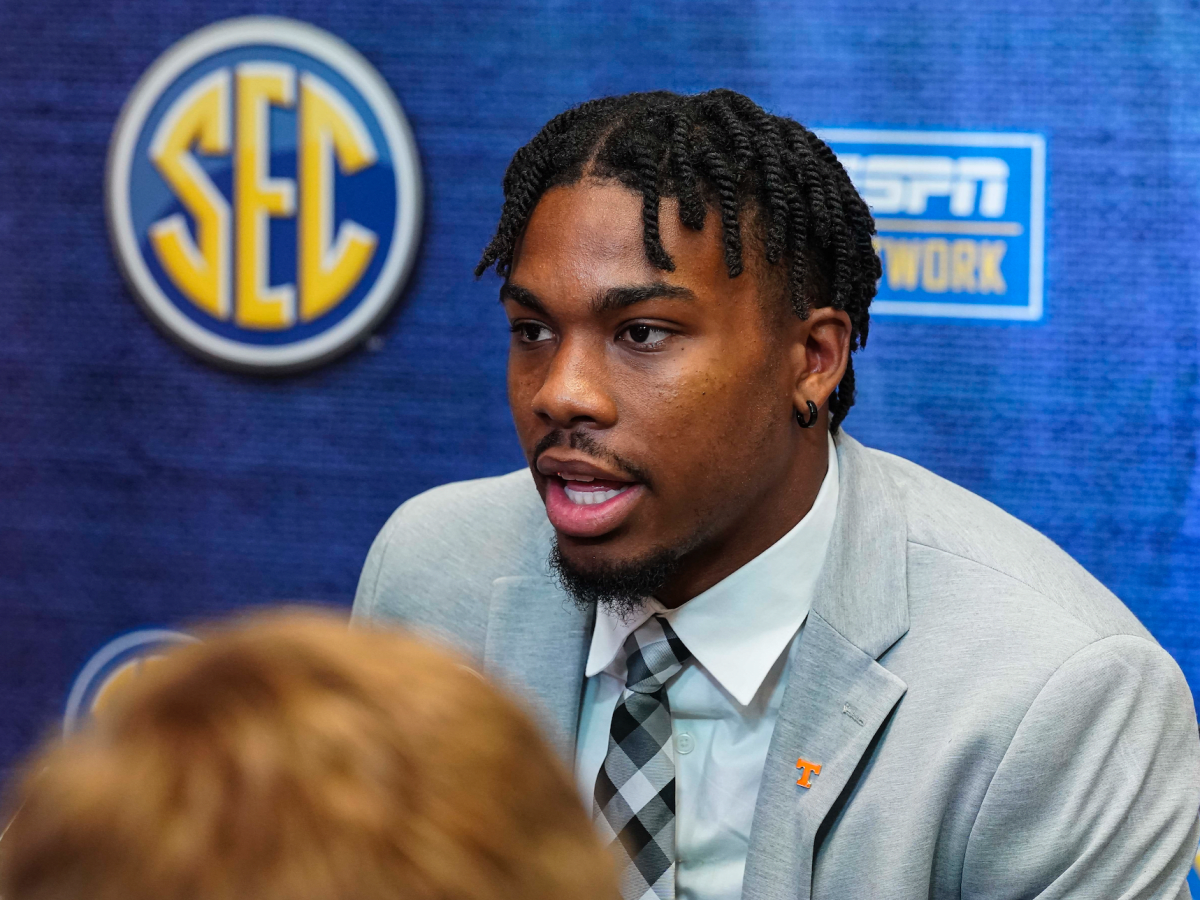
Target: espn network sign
pixel 960 219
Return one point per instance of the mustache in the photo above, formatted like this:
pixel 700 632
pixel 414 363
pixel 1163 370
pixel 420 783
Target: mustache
pixel 581 440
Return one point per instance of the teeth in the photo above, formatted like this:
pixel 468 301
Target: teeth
pixel 584 478
pixel 591 498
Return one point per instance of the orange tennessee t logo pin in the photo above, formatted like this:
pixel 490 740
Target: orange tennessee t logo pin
pixel 807 769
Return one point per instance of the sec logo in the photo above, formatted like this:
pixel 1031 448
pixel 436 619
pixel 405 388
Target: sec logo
pixel 264 194
pixel 114 665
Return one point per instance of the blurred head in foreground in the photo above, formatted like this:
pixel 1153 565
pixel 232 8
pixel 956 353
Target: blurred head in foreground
pixel 289 758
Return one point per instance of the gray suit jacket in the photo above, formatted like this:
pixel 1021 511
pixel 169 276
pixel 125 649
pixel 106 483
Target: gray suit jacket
pixel 989 720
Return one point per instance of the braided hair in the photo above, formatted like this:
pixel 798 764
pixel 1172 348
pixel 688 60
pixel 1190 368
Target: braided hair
pixel 716 150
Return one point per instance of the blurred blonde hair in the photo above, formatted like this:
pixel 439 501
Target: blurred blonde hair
pixel 290 758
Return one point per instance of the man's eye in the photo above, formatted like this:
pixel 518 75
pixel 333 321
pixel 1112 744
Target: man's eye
pixel 644 335
pixel 532 332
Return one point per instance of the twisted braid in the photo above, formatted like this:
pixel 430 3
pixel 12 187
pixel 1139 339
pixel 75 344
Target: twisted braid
pixel 727 194
pixel 720 150
pixel 774 175
pixel 647 170
pixel 691 204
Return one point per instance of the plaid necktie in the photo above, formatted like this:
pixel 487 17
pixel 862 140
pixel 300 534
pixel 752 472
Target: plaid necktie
pixel 635 791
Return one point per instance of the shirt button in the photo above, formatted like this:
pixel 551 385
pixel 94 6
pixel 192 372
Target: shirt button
pixel 685 743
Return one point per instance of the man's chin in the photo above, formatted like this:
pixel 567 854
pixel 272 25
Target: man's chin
pixel 620 586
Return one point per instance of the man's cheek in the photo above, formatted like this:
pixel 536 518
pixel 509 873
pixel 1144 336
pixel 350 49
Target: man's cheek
pixel 520 401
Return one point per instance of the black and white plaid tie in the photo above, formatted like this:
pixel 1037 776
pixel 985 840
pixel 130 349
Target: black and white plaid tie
pixel 635 791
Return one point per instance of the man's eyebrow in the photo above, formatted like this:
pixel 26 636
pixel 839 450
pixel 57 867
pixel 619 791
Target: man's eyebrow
pixel 620 297
pixel 523 296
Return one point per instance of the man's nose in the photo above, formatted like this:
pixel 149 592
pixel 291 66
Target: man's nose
pixel 574 390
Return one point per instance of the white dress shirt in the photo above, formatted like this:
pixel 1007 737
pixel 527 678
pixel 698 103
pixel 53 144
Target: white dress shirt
pixel 725 699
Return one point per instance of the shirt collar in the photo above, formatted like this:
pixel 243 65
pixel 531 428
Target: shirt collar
pixel 738 627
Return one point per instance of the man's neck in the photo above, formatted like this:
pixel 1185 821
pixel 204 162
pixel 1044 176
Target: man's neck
pixel 765 520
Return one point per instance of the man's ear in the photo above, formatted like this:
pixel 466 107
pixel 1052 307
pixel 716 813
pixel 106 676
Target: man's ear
pixel 819 352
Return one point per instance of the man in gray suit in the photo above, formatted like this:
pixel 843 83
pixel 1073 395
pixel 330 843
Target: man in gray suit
pixel 783 665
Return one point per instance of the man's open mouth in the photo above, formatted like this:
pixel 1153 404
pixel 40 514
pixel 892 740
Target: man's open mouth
pixel 584 497
pixel 583 490
pixel 585 501
pixel 589 509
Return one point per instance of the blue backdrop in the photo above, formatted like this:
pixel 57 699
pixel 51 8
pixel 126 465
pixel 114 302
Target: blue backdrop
pixel 141 487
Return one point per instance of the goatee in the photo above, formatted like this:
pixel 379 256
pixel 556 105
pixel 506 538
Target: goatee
pixel 620 588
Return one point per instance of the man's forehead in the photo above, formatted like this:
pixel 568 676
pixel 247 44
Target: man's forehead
pixel 589 236
pixel 598 221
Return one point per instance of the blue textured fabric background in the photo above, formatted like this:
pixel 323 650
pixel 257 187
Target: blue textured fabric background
pixel 139 486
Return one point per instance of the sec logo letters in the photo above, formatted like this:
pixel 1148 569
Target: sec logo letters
pixel 264 194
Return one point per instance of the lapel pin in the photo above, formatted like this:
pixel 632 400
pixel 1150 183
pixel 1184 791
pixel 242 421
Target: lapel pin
pixel 807 770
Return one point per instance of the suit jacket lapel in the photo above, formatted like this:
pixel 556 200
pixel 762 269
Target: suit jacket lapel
pixel 838 696
pixel 537 642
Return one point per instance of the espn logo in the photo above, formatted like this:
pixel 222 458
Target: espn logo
pixel 904 184
pixel 960 219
